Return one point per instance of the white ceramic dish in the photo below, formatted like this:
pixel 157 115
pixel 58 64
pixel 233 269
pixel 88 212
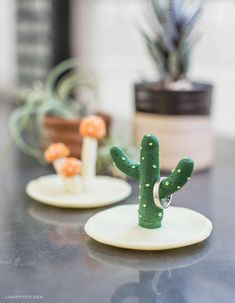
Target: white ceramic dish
pixel 106 190
pixel 118 227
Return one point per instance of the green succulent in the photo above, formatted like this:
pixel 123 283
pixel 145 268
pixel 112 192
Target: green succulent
pixel 173 37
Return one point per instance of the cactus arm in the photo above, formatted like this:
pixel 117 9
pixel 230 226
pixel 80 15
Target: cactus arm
pixel 120 159
pixel 177 179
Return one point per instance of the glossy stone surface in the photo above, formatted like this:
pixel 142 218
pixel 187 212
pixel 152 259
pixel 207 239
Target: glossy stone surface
pixel 44 251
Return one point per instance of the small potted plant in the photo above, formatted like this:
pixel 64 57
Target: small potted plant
pixel 52 113
pixel 175 108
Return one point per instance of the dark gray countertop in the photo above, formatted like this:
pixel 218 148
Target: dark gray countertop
pixel 44 251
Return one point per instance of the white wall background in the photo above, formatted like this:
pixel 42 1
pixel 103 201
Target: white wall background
pixel 113 48
pixel 7 45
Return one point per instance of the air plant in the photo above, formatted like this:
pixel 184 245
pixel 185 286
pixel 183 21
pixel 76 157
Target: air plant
pixel 55 98
pixel 173 38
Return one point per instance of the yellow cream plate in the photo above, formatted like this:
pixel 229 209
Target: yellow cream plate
pixel 118 227
pixel 105 191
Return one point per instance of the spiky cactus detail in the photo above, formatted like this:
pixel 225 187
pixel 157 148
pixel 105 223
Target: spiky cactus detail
pixel 148 172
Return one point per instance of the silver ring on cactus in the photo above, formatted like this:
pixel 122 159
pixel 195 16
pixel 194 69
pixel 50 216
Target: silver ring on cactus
pixel 161 203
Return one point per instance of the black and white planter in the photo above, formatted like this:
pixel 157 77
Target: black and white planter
pixel 181 120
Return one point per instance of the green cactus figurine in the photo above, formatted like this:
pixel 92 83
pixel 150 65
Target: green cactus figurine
pixel 148 173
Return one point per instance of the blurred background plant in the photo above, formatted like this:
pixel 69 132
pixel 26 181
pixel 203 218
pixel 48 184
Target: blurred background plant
pixel 69 93
pixel 166 106
pixel 173 37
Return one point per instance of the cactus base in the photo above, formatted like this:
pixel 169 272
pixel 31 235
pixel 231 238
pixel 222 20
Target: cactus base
pixel 150 225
